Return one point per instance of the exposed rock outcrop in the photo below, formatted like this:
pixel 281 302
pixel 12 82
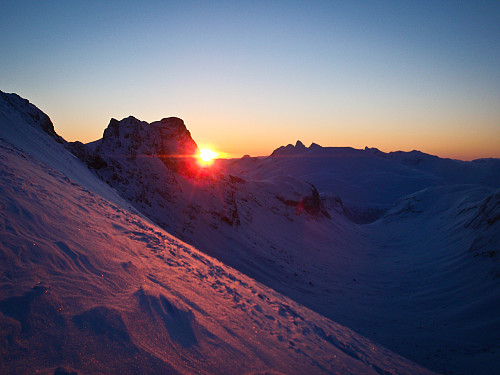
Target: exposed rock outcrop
pixel 168 139
pixel 30 113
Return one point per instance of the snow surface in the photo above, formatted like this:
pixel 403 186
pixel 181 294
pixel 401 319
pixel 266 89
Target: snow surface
pixel 90 286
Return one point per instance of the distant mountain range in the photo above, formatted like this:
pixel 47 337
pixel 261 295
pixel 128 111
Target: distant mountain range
pixel 368 181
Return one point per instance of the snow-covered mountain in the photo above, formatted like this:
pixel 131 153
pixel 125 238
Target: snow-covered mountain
pixel 88 285
pixel 423 279
pixel 367 181
pixel 267 218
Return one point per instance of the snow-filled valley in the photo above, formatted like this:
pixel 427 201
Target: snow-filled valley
pixel 132 258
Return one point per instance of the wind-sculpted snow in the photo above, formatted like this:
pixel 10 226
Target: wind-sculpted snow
pixel 88 286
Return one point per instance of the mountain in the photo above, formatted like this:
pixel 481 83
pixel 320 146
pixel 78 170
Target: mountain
pixel 367 181
pixel 89 285
pixel 15 109
pixel 420 276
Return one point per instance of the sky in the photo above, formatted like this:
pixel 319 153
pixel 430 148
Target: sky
pixel 249 76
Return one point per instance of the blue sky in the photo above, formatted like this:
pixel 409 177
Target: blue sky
pixel 247 77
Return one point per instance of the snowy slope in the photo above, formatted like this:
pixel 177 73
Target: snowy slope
pixel 438 252
pixel 25 126
pixel 421 280
pixel 90 286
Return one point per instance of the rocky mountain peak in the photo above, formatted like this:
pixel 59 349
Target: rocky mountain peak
pixel 173 122
pixel 299 146
pixel 315 146
pixel 31 114
pixel 290 149
pixel 168 139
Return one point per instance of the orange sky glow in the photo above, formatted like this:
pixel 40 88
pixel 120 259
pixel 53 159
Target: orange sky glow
pixel 248 77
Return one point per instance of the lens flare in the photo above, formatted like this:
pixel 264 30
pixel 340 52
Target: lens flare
pixel 207 156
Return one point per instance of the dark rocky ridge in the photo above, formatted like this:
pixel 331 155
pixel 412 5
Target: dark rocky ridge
pixel 167 139
pixel 31 114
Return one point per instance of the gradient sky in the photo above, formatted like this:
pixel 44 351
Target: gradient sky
pixel 247 77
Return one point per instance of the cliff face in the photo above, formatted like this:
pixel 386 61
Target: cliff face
pixel 168 139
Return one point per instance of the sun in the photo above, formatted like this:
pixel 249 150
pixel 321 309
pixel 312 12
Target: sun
pixel 207 155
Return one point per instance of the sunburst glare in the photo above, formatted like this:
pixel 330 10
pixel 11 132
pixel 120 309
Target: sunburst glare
pixel 207 156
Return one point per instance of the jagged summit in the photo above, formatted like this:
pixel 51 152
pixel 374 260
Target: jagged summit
pixel 291 149
pixel 172 122
pixel 315 146
pixel 299 146
pixel 168 138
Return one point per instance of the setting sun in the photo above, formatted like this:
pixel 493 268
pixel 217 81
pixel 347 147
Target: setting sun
pixel 206 155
